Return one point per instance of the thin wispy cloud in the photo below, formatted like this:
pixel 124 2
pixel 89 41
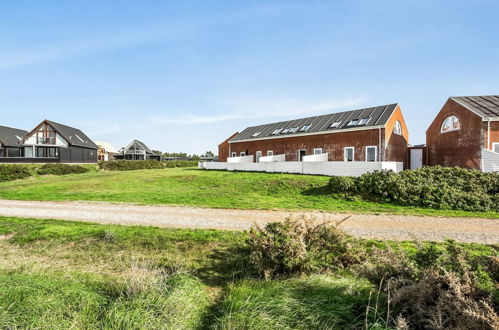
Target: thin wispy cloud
pixel 256 110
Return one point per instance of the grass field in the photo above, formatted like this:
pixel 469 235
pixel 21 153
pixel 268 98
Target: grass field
pixel 193 187
pixel 59 275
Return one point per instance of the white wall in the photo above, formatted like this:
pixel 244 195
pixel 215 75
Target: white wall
pixel 275 158
pixel 314 168
pixel 316 158
pixel 242 159
pixel 490 161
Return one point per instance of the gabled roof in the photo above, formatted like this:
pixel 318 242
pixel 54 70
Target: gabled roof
pixel 141 144
pixel 485 106
pixel 10 136
pixel 73 135
pixel 378 116
pixel 106 146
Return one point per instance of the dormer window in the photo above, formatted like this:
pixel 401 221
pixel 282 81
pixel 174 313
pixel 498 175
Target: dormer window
pixel 305 128
pixel 336 124
pixel 450 124
pixel 363 121
pixel 277 131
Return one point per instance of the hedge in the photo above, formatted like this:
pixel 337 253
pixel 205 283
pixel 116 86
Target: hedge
pixel 435 187
pixel 129 165
pixel 14 172
pixel 61 169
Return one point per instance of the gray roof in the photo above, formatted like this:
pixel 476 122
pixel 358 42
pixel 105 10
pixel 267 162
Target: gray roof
pixel 73 135
pixel 484 106
pixel 9 136
pixel 378 116
pixel 141 144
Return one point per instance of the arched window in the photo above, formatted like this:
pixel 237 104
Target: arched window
pixel 450 124
pixel 397 129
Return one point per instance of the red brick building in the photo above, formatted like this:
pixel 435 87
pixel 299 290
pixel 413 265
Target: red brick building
pixel 465 133
pixel 370 134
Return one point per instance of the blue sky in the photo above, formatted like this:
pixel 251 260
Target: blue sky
pixel 184 75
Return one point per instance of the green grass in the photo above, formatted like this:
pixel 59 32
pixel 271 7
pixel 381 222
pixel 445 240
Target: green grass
pixel 217 189
pixel 60 274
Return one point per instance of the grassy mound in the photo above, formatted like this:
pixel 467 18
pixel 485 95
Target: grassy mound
pixel 14 172
pixel 61 169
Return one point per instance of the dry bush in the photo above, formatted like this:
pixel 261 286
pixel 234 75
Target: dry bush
pixel 294 247
pixel 437 289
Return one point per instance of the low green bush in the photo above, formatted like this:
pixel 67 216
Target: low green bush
pixel 436 187
pixel 127 165
pixel 180 163
pixel 60 169
pixel 14 172
pixel 294 247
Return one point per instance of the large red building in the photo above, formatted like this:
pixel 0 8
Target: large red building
pixel 465 133
pixel 370 134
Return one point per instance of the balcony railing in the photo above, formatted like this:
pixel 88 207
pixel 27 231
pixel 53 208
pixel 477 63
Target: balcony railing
pixel 49 140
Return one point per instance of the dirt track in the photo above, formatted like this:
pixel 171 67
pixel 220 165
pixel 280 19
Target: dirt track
pixel 394 227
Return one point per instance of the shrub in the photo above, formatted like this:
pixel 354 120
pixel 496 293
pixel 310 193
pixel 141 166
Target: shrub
pixel 14 172
pixel 435 289
pixel 61 169
pixel 342 184
pixel 127 165
pixel 180 163
pixel 294 247
pixel 435 187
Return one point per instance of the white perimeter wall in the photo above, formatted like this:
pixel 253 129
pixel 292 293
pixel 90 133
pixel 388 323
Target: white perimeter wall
pixel 316 168
pixel 490 161
pixel 242 159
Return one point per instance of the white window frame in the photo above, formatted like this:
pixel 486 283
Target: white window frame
pixel 494 144
pixel 398 125
pixel 336 124
pixel 234 154
pixel 345 158
pixel 362 119
pixel 270 153
pixel 258 154
pixel 375 153
pixel 451 129
pixel 319 149
pixel 305 127
pixel 242 154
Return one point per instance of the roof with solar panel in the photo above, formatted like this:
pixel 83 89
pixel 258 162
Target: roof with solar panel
pixel 334 122
pixel 485 106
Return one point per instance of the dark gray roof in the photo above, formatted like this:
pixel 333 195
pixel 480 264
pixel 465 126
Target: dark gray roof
pixel 9 136
pixel 484 106
pixel 141 144
pixel 378 116
pixel 73 135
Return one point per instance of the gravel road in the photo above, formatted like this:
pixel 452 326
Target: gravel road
pixel 383 226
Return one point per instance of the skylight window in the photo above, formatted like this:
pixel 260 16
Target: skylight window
pixel 305 128
pixel 293 130
pixel 353 122
pixel 256 134
pixel 18 137
pixel 286 130
pixel 363 121
pixel 79 138
pixel 277 131
pixel 336 124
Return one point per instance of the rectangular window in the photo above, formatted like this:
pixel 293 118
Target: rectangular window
pixel 258 155
pixel 336 124
pixel 286 131
pixel 234 154
pixel 255 134
pixel 305 128
pixel 277 131
pixel 363 121
pixel 293 130
pixel 270 153
pixel 371 154
pixel 353 122
pixel 317 151
pixel 349 154
pixel 495 147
